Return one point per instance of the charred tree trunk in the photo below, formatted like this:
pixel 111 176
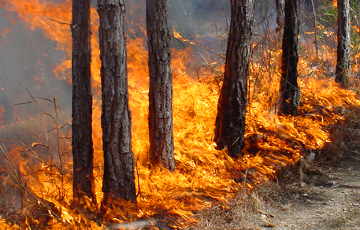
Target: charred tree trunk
pixel 289 98
pixel 230 119
pixel 160 92
pixel 82 145
pixel 280 14
pixel 119 176
pixel 343 50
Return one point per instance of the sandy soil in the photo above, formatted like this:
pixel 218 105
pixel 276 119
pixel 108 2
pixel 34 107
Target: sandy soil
pixel 325 198
pixel 329 201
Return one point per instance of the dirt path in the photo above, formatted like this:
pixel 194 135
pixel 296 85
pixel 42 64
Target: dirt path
pixel 331 201
pixel 326 200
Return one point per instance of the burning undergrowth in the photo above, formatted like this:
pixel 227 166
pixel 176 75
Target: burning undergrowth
pixel 36 177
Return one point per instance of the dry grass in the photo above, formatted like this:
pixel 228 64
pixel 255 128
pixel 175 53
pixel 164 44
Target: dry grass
pixel 35 207
pixel 249 209
pixel 345 138
pixel 245 211
pixel 253 210
pixel 19 203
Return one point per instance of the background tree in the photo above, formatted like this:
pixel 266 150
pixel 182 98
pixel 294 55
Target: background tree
pixel 289 97
pixel 230 119
pixel 160 92
pixel 82 145
pixel 343 49
pixel 118 182
pixel 280 14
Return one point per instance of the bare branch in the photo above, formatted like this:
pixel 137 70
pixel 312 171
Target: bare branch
pixel 62 23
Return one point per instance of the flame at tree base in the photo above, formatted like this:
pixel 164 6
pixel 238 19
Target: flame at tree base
pixel 203 175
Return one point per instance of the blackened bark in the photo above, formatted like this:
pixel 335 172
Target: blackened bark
pixel 289 98
pixel 119 176
pixel 160 91
pixel 343 49
pixel 82 145
pixel 280 14
pixel 230 119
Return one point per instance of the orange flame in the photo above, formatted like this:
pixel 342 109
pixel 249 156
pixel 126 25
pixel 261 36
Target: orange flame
pixel 2 116
pixel 203 174
pixel 4 32
pixel 178 36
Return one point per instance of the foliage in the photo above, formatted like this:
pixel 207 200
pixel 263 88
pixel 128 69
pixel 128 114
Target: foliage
pixel 329 15
pixel 214 75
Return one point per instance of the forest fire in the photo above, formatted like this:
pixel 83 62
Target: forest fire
pixel 203 175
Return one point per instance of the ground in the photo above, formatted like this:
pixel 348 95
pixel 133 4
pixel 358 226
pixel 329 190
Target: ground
pixel 321 191
pixel 330 202
pixel 327 199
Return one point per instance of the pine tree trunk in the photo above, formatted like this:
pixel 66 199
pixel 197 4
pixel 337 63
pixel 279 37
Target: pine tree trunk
pixel 342 72
pixel 280 14
pixel 289 91
pixel 230 119
pixel 118 182
pixel 160 92
pixel 82 145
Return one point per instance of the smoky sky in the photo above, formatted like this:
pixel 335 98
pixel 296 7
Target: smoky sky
pixel 27 57
pixel 27 60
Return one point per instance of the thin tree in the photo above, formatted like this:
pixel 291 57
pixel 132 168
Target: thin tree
pixel 160 91
pixel 315 30
pixel 82 145
pixel 289 97
pixel 343 49
pixel 280 14
pixel 119 176
pixel 230 119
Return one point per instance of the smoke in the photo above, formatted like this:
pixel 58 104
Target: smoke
pixel 27 59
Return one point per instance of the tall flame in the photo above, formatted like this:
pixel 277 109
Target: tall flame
pixel 203 174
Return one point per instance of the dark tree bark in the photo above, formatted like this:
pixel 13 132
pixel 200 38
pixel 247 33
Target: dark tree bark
pixel 230 119
pixel 343 49
pixel 119 176
pixel 82 145
pixel 280 14
pixel 289 98
pixel 315 30
pixel 160 92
